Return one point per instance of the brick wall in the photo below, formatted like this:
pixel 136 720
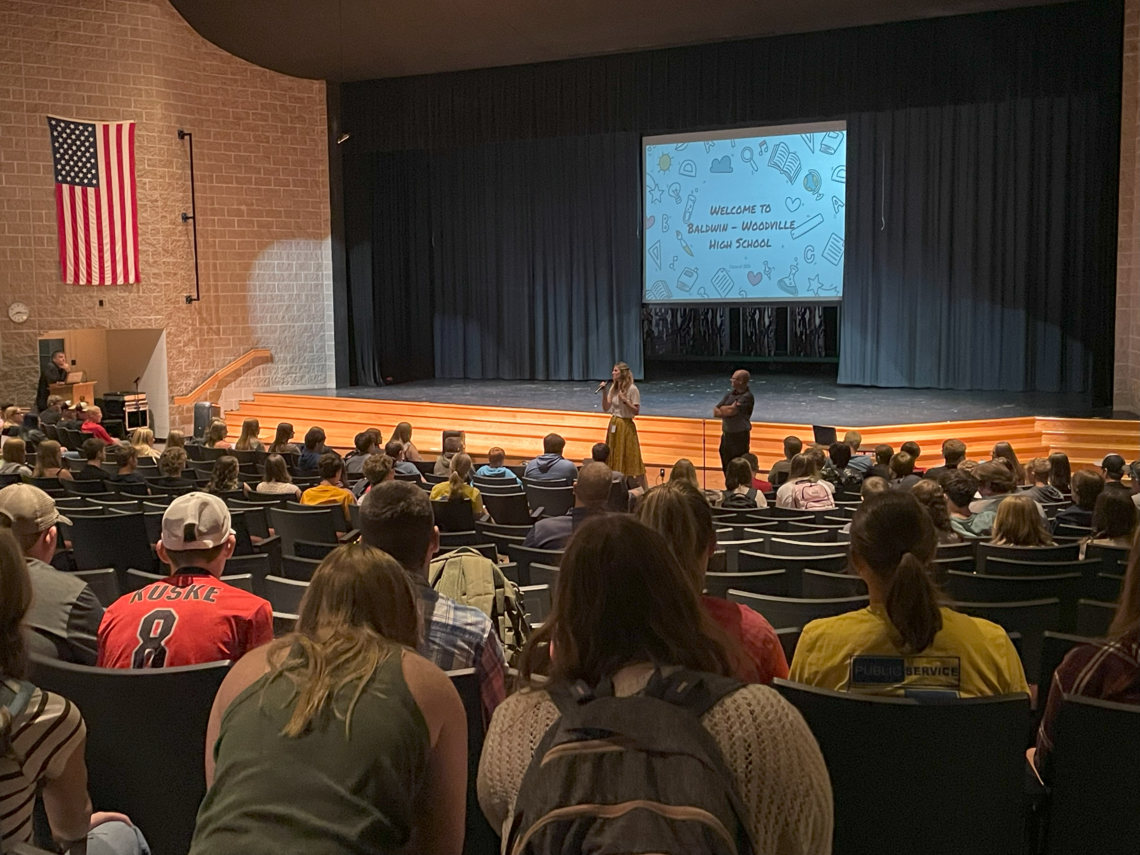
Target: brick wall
pixel 1127 377
pixel 261 171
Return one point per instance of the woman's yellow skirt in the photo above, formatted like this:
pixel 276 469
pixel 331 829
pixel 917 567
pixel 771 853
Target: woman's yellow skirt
pixel 625 450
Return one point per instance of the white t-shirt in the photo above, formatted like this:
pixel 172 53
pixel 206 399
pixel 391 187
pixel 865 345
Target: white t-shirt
pixel 621 410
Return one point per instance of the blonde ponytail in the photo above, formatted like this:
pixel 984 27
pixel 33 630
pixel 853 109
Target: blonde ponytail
pixel 912 604
pixel 460 469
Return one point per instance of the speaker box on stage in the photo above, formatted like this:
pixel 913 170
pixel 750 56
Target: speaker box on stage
pixel 204 413
pixel 129 407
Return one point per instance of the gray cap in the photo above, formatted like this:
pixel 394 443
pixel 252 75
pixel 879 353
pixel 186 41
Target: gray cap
pixel 29 510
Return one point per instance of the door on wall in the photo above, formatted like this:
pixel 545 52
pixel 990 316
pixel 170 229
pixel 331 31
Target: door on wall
pixel 48 346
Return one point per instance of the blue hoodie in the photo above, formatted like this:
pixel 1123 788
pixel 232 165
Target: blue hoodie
pixel 551 467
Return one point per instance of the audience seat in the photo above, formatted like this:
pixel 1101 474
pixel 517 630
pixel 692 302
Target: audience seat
pixel 479 837
pixel 772 582
pixel 283 623
pixel 297 568
pixel 524 556
pixel 104 584
pixel 1071 531
pixel 255 566
pixel 951 773
pixel 316 526
pixel 335 512
pixel 502 488
pixel 544 574
pixel 1054 647
pixel 818 584
pixel 1094 618
pixel 734 548
pixel 726 531
pixel 509 509
pixel 794 564
pixel 805 532
pixel 1113 558
pixel 111 540
pixel 979 588
pixel 942 566
pixel 1063 552
pixel 1095 788
pixel 795 611
pixel 536 602
pixel 548 501
pixel 1030 618
pixel 1106 587
pixel 146 731
pixel 789 638
pixel 787 546
pixel 285 594
pixel 453 516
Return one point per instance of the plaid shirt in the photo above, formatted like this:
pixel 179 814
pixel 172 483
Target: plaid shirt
pixel 457 636
pixel 1109 671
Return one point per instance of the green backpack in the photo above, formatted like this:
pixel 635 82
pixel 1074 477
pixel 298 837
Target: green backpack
pixel 472 579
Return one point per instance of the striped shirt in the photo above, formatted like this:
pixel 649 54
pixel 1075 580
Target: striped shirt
pixel 1108 671
pixel 44 736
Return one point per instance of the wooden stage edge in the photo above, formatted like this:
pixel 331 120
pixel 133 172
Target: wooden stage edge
pixel 665 439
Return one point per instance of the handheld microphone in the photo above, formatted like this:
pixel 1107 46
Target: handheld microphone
pixel 601 386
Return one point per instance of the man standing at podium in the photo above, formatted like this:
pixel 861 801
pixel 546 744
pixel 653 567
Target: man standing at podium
pixel 54 373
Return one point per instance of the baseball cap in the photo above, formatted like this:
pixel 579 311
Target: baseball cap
pixel 1113 463
pixel 195 521
pixel 29 510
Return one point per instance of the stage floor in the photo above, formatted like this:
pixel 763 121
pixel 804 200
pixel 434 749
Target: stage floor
pixel 779 398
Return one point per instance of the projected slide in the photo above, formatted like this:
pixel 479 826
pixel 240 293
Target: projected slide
pixel 752 216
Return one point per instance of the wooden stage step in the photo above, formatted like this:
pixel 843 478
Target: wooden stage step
pixel 664 439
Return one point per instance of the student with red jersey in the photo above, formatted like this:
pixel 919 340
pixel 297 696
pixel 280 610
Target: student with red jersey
pixel 192 616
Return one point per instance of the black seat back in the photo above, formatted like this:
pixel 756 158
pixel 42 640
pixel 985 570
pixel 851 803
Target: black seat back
pixel 953 770
pixel 454 515
pixel 143 723
pixel 508 508
pixel 1094 618
pixel 479 838
pixel 1064 552
pixel 796 611
pixel 551 501
pixel 820 585
pixel 114 540
pixel 1031 619
pixel 316 526
pixel 524 556
pixel 772 582
pixel 285 594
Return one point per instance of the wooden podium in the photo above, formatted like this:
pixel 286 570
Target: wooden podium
pixel 74 392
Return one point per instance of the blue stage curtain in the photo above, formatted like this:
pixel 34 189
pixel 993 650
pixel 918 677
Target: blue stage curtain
pixel 980 244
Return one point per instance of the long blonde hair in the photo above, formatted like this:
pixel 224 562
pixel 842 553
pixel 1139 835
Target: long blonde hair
pixel 359 609
pixel 1019 524
pixel 143 440
pixel 625 377
pixel 248 440
pixel 175 439
pixel 460 470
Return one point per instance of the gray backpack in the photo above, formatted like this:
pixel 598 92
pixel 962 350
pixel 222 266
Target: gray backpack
pixel 633 774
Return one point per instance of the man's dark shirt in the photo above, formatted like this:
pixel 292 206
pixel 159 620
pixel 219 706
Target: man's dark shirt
pixel 52 374
pixel 741 422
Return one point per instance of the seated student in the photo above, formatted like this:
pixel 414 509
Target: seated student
pixel 54 411
pixel 932 497
pixel 216 435
pixel 45 740
pixel 282 441
pixel 739 494
pixel 49 461
pixel 378 468
pixel 1087 486
pixel 13 418
pixel 331 490
pixel 902 472
pixel 960 488
pixel 397 517
pixel 175 439
pixel 395 450
pixel 1112 467
pixel 953 453
pixel 893 543
pixel 781 469
pixel 619 490
pixel 757 482
pixel 72 416
pixel 452 446
pixel 680 515
pixel 171 464
pixel 457 488
pixel 1042 491
pixel 1018 524
pixel 143 441
pixel 92 426
pixel 860 463
pixel 591 493
pixel 192 616
pixel 494 467
pixel 362 742
pixel 313 450
pixel 804 488
pixel 1108 670
pixel 224 476
pixel 14 455
pixel 1004 451
pixel 249 439
pixel 882 465
pixel 65 614
pixel 684 471
pixel 624 607
pixel 366 443
pixel 1114 520
pixel 127 459
pixel 1060 472
pixel 94 454
pixel 996 484
pixel 551 465
pixel 873 485
pixel 838 471
pixel 277 481
pixel 915 451
pixel 403 432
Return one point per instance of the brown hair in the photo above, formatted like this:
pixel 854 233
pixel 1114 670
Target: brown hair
pixel 738 474
pixel 216 433
pixel 1126 623
pixel 1004 451
pixel 622 598
pixel 224 476
pixel 1039 470
pixel 281 437
pixel 248 440
pixel 802 467
pixel 1018 523
pixel 125 455
pixel 48 456
pixel 1087 485
pixel 953 451
pixel 883 454
pixel 175 439
pixel 495 457
pixel 276 470
pixel 15 600
pixel 329 465
pixel 902 464
pixel 679 513
pixel 932 497
pixel 396 516
pixel 1114 515
pixel 1060 472
pixel 684 470
pixel 912 448
pixel 378 467
pixel 995 477
pixel 358 610
pixel 402 432
pixel 172 461
pixel 15 451
pixel 895 539
pixel 460 471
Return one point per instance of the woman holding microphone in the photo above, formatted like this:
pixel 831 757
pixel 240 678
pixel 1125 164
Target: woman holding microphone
pixel 623 401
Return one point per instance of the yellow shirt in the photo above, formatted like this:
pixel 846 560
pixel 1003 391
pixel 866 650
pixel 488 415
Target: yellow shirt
pixel 327 494
pixel 859 652
pixel 442 491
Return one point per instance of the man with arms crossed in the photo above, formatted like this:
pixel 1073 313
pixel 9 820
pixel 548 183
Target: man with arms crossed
pixel 735 413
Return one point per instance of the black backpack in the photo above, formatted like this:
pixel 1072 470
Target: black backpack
pixel 632 774
pixel 740 501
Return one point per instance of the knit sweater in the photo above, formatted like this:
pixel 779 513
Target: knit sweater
pixel 771 755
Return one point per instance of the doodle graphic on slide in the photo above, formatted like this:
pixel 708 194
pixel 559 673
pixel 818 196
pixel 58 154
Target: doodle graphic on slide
pixel 761 230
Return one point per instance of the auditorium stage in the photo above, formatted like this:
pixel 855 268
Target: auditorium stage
pixel 782 397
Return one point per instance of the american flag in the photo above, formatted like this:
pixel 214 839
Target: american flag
pixel 95 201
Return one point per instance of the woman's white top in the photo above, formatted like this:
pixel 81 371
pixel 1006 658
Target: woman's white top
pixel 622 410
